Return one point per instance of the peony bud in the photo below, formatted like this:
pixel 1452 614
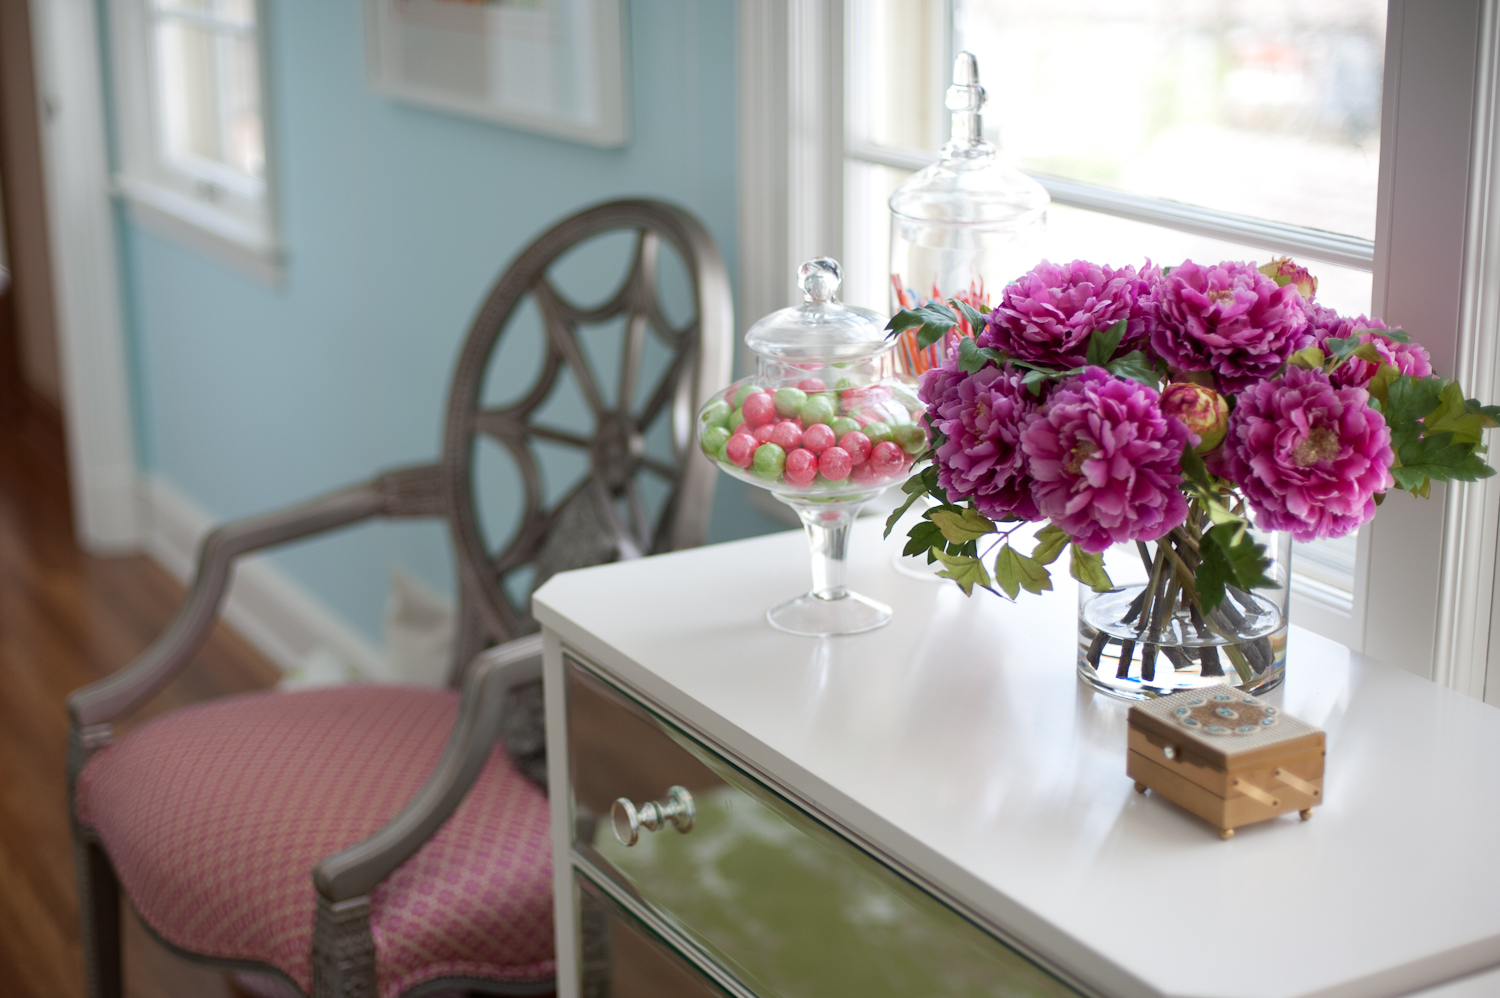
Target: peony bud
pixel 1283 271
pixel 1202 410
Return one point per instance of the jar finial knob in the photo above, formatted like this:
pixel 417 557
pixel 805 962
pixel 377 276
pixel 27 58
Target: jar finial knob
pixel 819 280
pixel 966 99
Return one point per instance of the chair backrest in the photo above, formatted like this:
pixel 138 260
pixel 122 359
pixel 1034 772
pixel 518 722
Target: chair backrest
pixel 639 489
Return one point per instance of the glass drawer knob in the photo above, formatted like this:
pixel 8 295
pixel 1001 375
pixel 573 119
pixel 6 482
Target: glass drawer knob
pixel 628 820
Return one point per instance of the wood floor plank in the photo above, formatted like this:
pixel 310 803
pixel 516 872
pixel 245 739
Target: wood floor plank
pixel 67 619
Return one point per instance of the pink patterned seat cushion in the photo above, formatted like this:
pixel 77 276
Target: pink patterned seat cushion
pixel 214 817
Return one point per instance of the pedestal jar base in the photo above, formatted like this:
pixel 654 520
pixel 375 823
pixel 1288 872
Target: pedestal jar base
pixel 815 617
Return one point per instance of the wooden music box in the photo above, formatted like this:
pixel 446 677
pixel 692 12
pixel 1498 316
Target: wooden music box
pixel 1229 758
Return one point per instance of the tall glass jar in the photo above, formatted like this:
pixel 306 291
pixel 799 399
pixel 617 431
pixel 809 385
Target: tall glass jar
pixel 964 227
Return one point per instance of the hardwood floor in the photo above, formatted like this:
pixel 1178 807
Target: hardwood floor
pixel 67 619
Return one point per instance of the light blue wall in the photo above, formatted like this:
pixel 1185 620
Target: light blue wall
pixel 396 220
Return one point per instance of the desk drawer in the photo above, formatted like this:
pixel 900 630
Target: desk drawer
pixel 777 900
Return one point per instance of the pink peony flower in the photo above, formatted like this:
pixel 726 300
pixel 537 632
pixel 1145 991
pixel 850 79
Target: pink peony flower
pixel 1356 372
pixel 1047 316
pixel 1309 456
pixel 1201 409
pixel 982 416
pixel 1229 319
pixel 1107 461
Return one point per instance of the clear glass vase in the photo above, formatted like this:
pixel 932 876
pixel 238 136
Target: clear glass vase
pixel 1149 636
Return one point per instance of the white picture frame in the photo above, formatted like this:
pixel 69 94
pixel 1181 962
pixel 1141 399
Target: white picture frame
pixel 556 67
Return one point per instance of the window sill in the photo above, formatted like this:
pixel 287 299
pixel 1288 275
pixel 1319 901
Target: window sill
pixel 201 226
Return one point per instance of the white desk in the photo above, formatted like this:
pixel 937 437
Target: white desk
pixel 957 745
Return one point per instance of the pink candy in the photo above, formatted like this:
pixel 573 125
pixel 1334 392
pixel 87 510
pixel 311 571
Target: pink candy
pixel 763 432
pixel 786 434
pixel 835 464
pixel 819 437
pixel 740 449
pixel 866 474
pixel 887 458
pixel 858 446
pixel 812 385
pixel 759 408
pixel 801 466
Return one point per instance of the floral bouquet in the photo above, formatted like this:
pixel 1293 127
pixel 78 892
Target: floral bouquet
pixel 1180 411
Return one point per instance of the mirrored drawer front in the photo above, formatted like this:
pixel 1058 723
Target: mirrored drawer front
pixel 780 902
pixel 622 958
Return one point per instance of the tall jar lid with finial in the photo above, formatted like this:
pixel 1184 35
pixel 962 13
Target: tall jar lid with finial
pixel 965 226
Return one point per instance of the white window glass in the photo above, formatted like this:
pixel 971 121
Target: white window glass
pixel 1269 109
pixel 1266 110
pixel 208 92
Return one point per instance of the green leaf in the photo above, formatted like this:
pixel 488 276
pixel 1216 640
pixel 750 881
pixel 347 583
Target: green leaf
pixel 1408 401
pixel 961 524
pixel 1310 358
pixel 1103 343
pixel 1034 381
pixel 1394 335
pixel 1229 558
pixel 966 570
pixel 1089 569
pixel 1014 572
pixel 1340 348
pixel 1194 468
pixel 976 319
pixel 1464 418
pixel 1136 367
pixel 972 356
pixel 923 537
pixel 914 488
pixel 1441 458
pixel 1379 386
pixel 930 321
pixel 1050 541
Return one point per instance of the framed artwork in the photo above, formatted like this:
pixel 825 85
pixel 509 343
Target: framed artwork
pixel 550 66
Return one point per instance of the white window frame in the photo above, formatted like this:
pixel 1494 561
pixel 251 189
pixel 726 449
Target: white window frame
pixel 1424 597
pixel 209 207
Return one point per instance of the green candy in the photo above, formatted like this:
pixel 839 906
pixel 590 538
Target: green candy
pixel 789 401
pixel 910 437
pixel 878 432
pixel 743 392
pixel 716 413
pixel 843 425
pixel 844 383
pixel 735 419
pixel 819 409
pixel 769 460
pixel 714 439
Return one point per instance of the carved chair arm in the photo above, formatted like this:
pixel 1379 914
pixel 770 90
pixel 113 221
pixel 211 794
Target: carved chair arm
pixel 406 492
pixel 356 871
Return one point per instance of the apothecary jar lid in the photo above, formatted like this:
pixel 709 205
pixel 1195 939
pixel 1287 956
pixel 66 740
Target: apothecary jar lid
pixel 822 327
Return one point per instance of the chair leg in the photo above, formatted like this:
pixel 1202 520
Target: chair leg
pixel 343 955
pixel 99 915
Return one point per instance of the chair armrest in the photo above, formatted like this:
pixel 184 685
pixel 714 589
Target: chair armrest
pixel 406 492
pixel 356 871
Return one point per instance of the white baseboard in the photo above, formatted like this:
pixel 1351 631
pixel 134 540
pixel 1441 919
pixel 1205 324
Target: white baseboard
pixel 282 620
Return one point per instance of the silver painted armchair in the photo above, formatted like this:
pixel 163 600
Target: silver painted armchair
pixel 368 840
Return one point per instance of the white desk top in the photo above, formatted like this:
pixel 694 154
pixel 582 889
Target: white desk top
pixel 958 739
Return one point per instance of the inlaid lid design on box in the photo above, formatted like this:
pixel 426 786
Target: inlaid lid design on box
pixel 1217 715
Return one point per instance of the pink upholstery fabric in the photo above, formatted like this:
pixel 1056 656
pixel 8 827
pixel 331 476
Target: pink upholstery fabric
pixel 214 817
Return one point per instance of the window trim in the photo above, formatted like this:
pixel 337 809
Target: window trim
pixel 245 236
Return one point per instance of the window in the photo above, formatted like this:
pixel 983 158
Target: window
pixel 190 123
pixel 1164 130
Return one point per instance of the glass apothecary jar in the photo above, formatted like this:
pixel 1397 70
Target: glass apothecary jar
pixel 825 426
pixel 964 227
